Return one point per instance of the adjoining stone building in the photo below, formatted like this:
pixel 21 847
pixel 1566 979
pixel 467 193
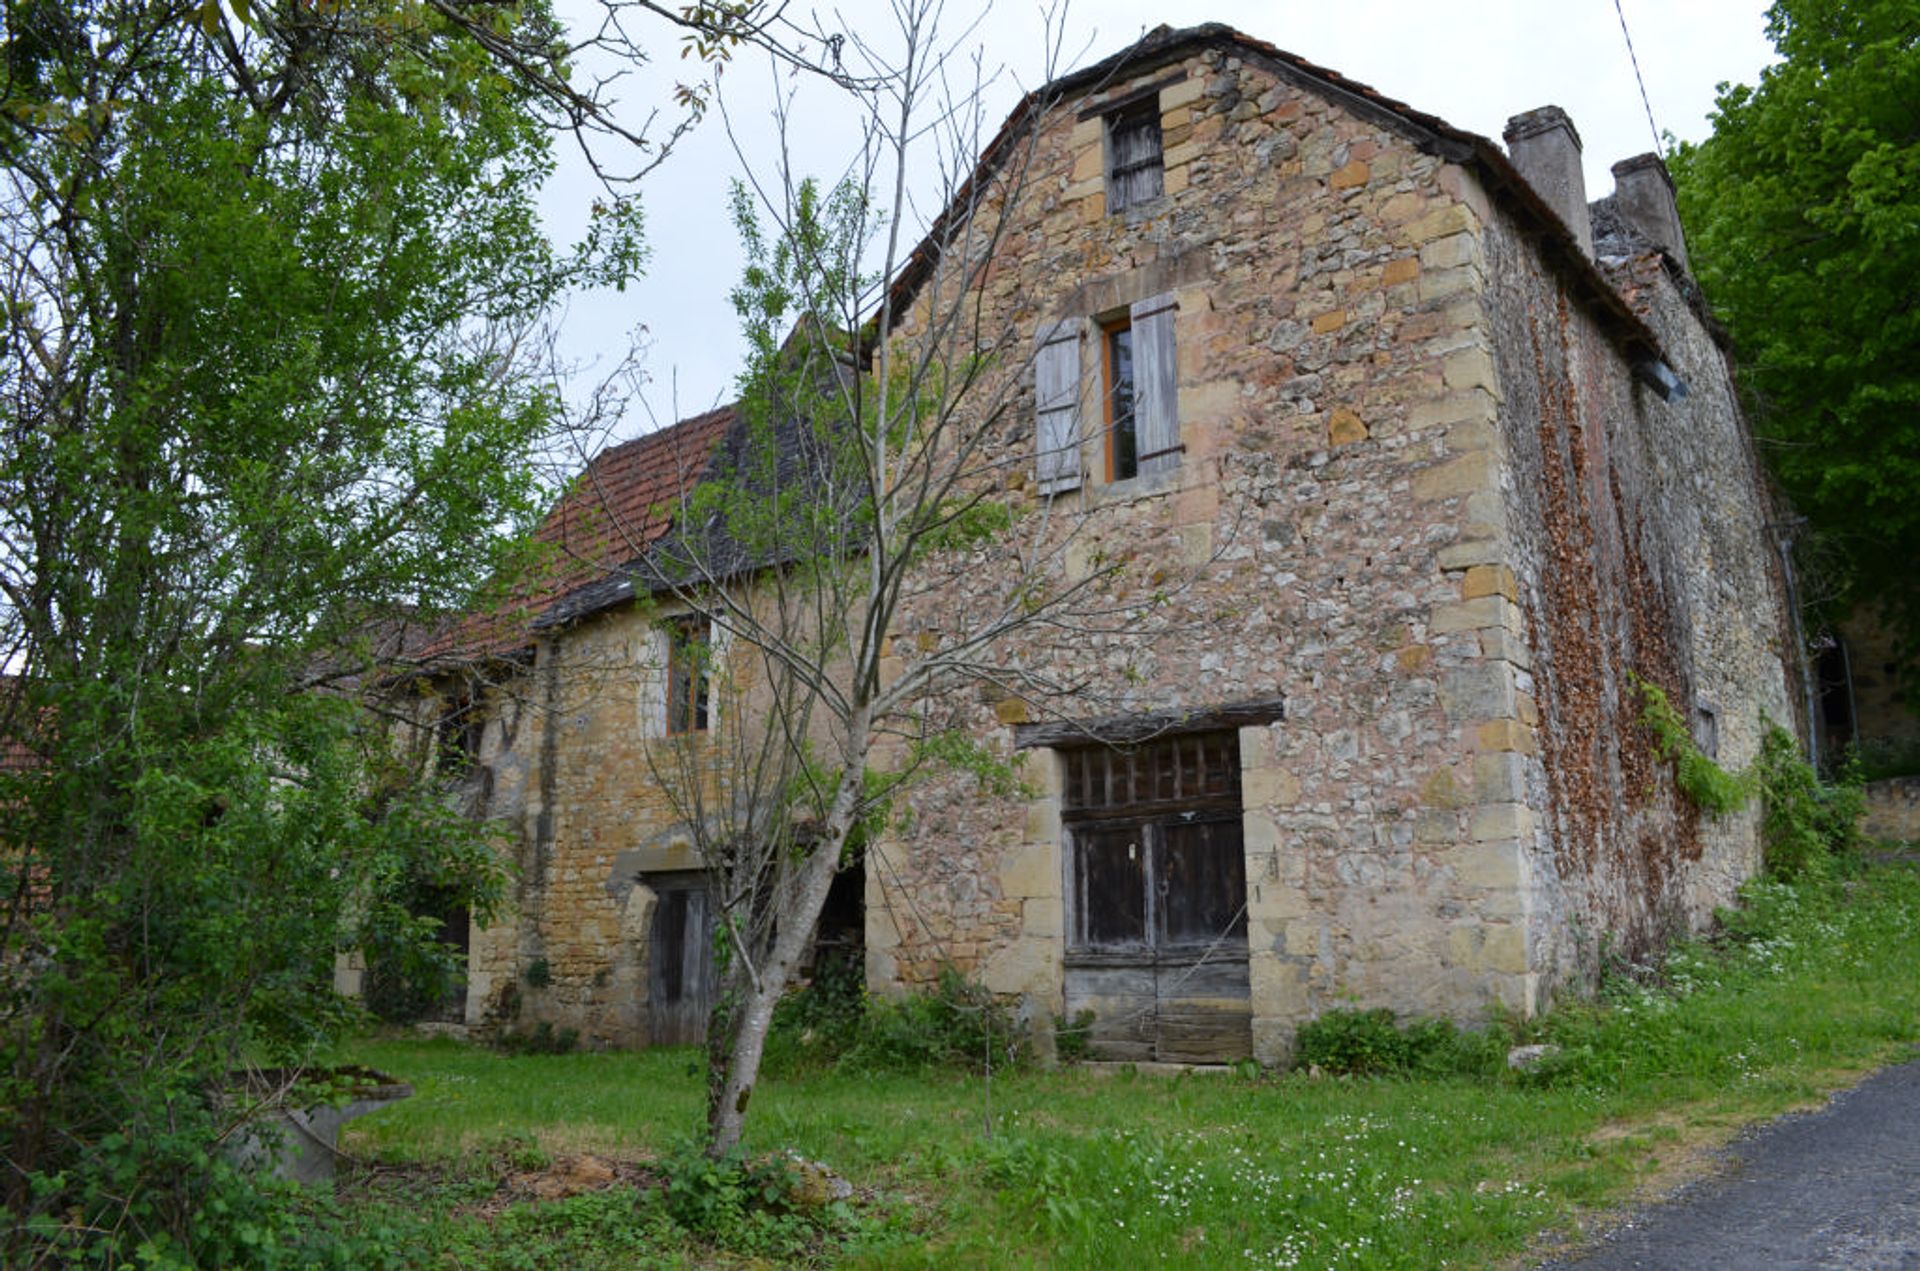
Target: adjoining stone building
pixel 1457 457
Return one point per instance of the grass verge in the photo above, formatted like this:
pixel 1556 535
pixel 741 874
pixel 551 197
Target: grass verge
pixel 1804 988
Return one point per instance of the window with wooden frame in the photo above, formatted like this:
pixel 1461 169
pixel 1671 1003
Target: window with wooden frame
pixel 1139 392
pixel 689 648
pixel 1135 166
pixel 1156 860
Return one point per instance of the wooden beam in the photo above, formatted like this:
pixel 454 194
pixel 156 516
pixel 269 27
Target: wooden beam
pixel 1130 730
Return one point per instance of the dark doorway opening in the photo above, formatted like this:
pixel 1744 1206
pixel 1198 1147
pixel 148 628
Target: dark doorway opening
pixel 840 939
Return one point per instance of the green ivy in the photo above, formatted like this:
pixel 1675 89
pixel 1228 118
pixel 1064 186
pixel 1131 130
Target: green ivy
pixel 1711 788
pixel 1807 823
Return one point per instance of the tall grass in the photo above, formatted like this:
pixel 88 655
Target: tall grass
pixel 1803 987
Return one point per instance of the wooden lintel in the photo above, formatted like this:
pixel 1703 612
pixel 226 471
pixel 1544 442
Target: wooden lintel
pixel 1133 98
pixel 1131 730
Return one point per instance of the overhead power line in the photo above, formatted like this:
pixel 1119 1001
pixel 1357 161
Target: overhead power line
pixel 1640 79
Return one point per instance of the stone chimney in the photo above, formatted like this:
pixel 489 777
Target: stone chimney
pixel 1643 193
pixel 1546 150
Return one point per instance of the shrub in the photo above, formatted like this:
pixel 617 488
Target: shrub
pixel 834 1021
pixel 1348 1042
pixel 1808 823
pixel 1073 1038
pixel 541 1039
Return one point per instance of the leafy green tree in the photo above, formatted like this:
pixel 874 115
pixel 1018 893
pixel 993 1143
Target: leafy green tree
pixel 1803 211
pixel 273 288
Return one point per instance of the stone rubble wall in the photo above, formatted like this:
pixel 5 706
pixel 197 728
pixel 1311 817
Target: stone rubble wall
pixel 1372 369
pixel 1338 400
pixel 1636 535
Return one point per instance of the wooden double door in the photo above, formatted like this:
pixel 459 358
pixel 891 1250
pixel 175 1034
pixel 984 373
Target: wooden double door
pixel 1159 947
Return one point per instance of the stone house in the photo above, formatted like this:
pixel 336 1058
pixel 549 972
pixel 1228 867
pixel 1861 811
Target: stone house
pixel 1457 458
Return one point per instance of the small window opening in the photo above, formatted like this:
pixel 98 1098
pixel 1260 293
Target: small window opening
pixel 1134 174
pixel 688 647
pixel 459 732
pixel 1123 445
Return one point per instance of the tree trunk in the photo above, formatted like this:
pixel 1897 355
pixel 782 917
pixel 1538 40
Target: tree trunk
pixel 730 1084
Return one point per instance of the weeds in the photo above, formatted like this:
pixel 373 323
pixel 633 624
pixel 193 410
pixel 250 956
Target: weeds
pixel 1444 1157
pixel 835 1022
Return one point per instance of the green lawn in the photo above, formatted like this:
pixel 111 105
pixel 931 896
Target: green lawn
pixel 1079 1169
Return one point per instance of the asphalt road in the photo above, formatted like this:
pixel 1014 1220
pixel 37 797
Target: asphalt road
pixel 1839 1187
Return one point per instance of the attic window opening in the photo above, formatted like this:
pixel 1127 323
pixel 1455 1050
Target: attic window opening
pixel 689 645
pixel 1134 165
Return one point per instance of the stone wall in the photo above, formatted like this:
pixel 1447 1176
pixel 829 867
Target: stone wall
pixel 1638 540
pixel 1420 501
pixel 1338 399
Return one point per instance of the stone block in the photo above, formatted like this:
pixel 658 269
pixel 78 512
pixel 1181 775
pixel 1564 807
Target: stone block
pixel 1042 918
pixel 1488 580
pixel 1475 551
pixel 1438 284
pixel 1332 320
pixel 1184 153
pixel 1405 269
pixel 1472 434
pixel 1486 513
pixel 1352 176
pixel 1088 164
pixel 1261 838
pixel 1196 544
pixel 1454 218
pixel 1403 207
pixel 1471 368
pixel 1435 826
pixel 1303 937
pixel 1453 251
pixel 1503 947
pixel 1345 428
pixel 1185 93
pixel 1279 988
pixel 1471 406
pixel 1262 786
pixel 1497 822
pixel 1175 179
pixel 1468 474
pixel 1030 871
pixel 1505 646
pixel 1011 710
pixel 1496 866
pixel 1506 734
pixel 1470 615
pixel 1477 692
pixel 1087 188
pixel 1499 776
pixel 1025 966
pixel 1441 791
pixel 1414 658
pixel 1520 994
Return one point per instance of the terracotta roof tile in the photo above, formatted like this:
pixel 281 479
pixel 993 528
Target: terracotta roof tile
pixel 624 502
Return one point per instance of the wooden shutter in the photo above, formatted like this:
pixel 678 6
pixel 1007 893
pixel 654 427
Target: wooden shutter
pixel 1056 398
pixel 1156 415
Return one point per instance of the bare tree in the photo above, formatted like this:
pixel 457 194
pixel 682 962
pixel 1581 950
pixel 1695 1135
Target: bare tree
pixel 884 466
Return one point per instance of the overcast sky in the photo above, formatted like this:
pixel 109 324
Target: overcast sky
pixel 1472 62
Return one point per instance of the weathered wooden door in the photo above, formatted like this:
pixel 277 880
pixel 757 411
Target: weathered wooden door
pixel 1157 949
pixel 680 970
